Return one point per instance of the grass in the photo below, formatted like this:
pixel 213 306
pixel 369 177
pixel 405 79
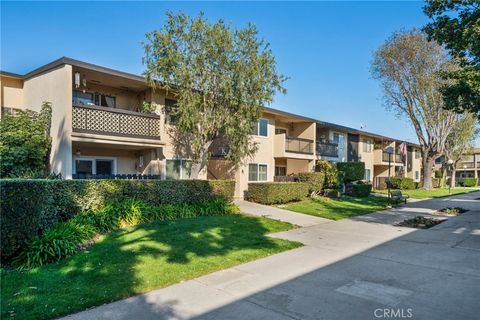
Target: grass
pixel 137 260
pixel 336 209
pixel 434 193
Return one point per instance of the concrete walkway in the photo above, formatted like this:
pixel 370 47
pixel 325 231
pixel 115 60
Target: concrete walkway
pixel 350 269
pixel 299 219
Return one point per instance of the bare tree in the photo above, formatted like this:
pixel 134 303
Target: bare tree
pixel 408 66
pixel 459 142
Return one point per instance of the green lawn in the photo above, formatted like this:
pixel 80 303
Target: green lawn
pixel 434 193
pixel 336 209
pixel 136 260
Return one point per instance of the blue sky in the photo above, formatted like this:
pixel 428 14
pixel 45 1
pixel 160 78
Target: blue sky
pixel 324 47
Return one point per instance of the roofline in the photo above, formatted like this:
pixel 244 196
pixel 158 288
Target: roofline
pixel 337 126
pixel 81 64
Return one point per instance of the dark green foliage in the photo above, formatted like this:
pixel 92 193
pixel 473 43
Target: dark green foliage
pixel 29 207
pixel 402 183
pixel 25 143
pixel 351 171
pixel 315 180
pixel 456 25
pixel 276 192
pixel 63 240
pixel 358 189
pixel 332 178
pixel 470 182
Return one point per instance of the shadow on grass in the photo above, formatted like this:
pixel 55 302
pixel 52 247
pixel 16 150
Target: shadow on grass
pixel 136 260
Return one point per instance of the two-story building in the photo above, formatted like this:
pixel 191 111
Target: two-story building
pixel 99 129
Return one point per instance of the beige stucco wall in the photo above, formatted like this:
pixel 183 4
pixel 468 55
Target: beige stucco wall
pixel 55 86
pixel 11 92
pixel 295 166
pixel 366 157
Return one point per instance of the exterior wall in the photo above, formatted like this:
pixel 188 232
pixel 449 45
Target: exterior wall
pixel 11 92
pixel 295 166
pixel 55 86
pixel 416 166
pixel 366 157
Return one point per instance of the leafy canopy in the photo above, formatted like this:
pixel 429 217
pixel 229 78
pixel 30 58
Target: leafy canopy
pixel 456 24
pixel 25 143
pixel 221 78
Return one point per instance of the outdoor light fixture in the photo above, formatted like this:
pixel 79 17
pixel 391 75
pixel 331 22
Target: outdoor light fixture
pixel 77 80
pixel 77 152
pixel 450 168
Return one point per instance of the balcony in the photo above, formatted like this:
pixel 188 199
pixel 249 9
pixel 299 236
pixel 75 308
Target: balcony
pixel 395 157
pixel 381 158
pixel 327 149
pixel 466 165
pixel 290 147
pixel 115 122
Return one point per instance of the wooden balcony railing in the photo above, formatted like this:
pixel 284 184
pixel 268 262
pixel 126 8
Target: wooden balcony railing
pixel 395 157
pixel 116 122
pixel 327 149
pixel 298 145
pixel 466 165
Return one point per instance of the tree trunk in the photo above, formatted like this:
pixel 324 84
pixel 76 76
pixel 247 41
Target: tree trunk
pixel 198 166
pixel 428 162
pixel 453 176
pixel 444 176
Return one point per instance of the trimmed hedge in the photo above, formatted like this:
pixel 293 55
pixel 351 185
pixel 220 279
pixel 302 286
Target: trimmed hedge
pixel 358 189
pixel 352 171
pixel 470 182
pixel 315 180
pixel 29 207
pixel 402 183
pixel 276 192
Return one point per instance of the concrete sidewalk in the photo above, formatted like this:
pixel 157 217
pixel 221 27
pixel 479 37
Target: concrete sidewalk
pixel 350 269
pixel 299 219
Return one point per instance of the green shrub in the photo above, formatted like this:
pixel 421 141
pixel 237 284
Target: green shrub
pixel 29 207
pixel 351 171
pixel 315 180
pixel 358 189
pixel 470 182
pixel 332 178
pixel 276 192
pixel 436 182
pixel 64 239
pixel 402 183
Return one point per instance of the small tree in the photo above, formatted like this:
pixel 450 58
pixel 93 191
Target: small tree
pixel 222 78
pixel 25 143
pixel 460 141
pixel 408 67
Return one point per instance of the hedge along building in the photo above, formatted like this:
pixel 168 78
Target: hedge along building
pixel 98 130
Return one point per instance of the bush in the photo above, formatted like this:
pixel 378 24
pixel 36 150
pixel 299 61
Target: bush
pixel 436 182
pixel 351 171
pixel 402 183
pixel 332 179
pixel 276 192
pixel 64 239
pixel 29 207
pixel 470 182
pixel 315 180
pixel 358 189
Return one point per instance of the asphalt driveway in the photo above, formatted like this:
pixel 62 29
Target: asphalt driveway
pixel 361 268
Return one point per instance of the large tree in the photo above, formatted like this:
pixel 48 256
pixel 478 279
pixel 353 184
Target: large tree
pixel 456 24
pixel 221 78
pixel 460 140
pixel 408 66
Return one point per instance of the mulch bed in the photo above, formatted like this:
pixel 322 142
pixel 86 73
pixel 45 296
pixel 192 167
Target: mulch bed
pixel 420 222
pixel 451 211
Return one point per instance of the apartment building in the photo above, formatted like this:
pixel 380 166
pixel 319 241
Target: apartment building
pixel 469 165
pixel 98 130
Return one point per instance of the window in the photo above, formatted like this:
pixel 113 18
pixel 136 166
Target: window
pixel 280 131
pixel 417 154
pixel 81 98
pixel 87 166
pixel 105 100
pixel 178 169
pixel 417 175
pixel 260 128
pixel 336 137
pixel 280 171
pixel 170 111
pixel 257 172
pixel 367 146
pixel 367 175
